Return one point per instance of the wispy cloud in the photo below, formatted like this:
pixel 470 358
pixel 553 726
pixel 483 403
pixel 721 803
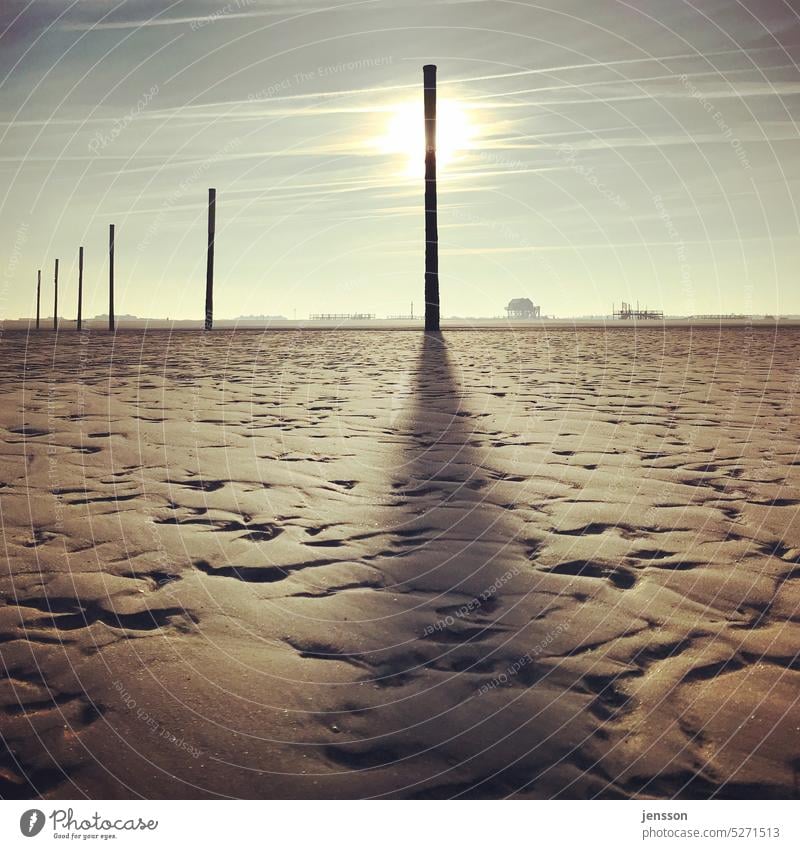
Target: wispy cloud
pixel 604 246
pixel 594 64
pixel 231 10
pixel 617 83
pixel 143 23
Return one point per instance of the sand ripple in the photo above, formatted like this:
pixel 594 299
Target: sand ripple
pixel 360 564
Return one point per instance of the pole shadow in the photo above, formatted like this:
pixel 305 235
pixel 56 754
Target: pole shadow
pixel 467 702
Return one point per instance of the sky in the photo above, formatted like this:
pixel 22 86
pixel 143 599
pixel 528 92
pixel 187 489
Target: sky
pixel 589 153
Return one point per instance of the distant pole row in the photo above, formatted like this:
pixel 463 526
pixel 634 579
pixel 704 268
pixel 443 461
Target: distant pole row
pixel 432 307
pixel 79 323
pixel 209 312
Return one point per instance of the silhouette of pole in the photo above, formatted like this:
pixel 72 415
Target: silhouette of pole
pixel 80 287
pixel 110 276
pixel 431 226
pixel 55 298
pixel 212 216
pixel 38 294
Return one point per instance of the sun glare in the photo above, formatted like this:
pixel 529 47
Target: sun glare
pixel 405 134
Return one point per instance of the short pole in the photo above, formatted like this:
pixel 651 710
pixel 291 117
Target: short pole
pixel 55 298
pixel 431 225
pixel 212 223
pixel 38 294
pixel 110 276
pixel 80 287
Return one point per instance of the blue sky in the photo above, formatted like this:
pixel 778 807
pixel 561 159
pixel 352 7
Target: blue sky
pixel 644 150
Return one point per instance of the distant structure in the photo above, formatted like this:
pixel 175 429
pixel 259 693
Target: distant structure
pixel 124 317
pixel 722 316
pixel 626 311
pixel 405 317
pixel 340 316
pixel 522 308
pixel 260 317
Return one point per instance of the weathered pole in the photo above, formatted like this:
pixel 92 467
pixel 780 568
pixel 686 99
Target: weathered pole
pixel 110 276
pixel 431 227
pixel 38 294
pixel 212 216
pixel 80 287
pixel 55 298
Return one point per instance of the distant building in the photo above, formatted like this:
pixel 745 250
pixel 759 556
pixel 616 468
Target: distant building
pixel 626 311
pixel 522 308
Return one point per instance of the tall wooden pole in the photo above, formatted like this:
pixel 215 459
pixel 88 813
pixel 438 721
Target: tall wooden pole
pixel 38 294
pixel 431 226
pixel 55 298
pixel 80 287
pixel 212 216
pixel 110 276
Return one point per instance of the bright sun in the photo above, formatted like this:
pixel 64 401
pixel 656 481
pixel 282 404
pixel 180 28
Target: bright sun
pixel 405 134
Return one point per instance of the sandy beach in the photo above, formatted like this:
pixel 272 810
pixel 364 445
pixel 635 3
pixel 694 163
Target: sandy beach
pixel 481 564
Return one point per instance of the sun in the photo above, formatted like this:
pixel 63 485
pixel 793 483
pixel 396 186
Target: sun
pixel 405 134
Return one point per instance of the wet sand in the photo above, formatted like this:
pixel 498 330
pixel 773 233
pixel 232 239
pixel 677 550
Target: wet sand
pixel 562 563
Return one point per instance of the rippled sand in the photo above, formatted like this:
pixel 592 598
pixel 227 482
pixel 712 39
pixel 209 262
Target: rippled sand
pixel 350 564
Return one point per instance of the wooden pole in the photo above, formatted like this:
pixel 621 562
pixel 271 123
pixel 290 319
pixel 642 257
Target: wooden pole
pixel 55 298
pixel 80 287
pixel 110 276
pixel 212 216
pixel 431 226
pixel 38 294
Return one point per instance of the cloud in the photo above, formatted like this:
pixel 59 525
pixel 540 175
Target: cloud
pixel 217 11
pixel 142 23
pixel 20 18
pixel 595 64
pixel 604 246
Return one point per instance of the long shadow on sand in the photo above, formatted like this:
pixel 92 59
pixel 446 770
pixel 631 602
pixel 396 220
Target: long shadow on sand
pixel 465 696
